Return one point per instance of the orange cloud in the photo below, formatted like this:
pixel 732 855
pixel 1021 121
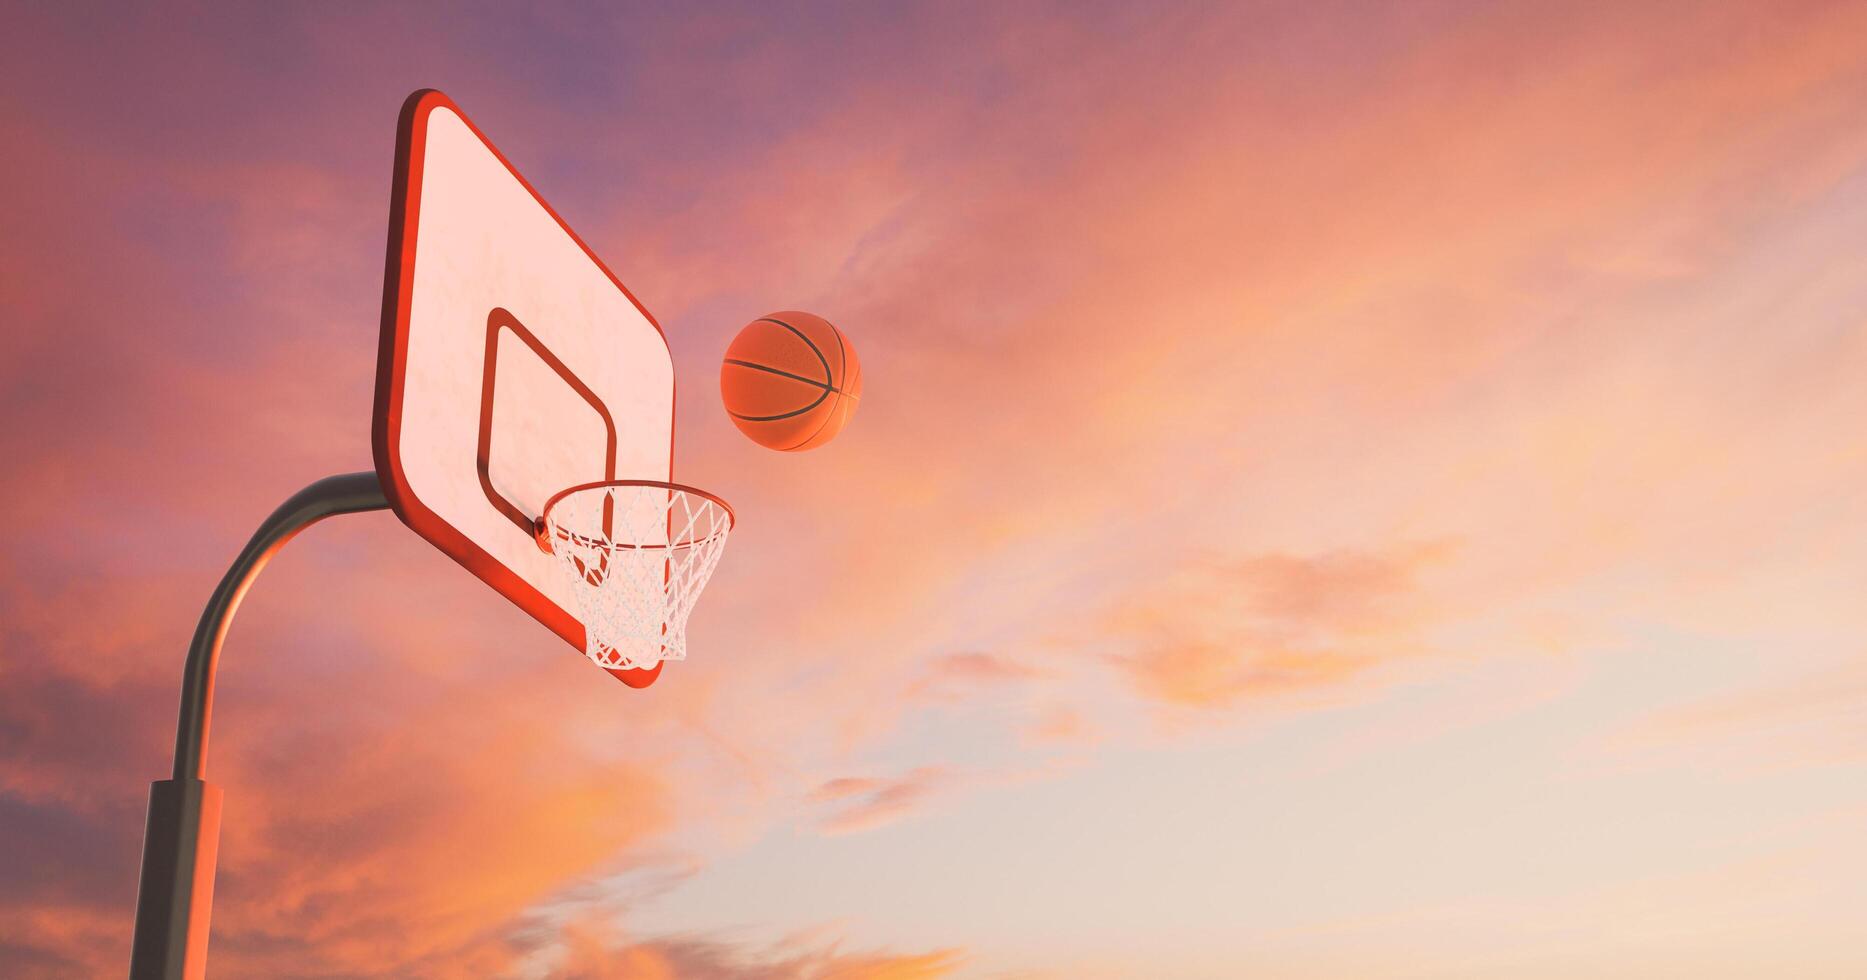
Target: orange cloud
pixel 1215 633
pixel 588 950
pixel 358 839
pixel 1060 724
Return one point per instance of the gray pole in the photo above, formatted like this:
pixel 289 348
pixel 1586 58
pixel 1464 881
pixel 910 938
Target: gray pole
pixel 182 837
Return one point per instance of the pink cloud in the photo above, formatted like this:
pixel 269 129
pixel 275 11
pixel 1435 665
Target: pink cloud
pixel 865 803
pixel 960 676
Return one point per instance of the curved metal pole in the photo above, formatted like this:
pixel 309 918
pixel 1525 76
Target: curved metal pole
pixel 182 838
pixel 345 494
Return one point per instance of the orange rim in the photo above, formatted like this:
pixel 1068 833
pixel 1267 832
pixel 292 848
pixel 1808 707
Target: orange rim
pixel 542 529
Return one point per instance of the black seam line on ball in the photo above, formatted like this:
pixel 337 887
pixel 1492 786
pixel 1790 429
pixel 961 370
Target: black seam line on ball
pixel 827 416
pixel 814 349
pixel 782 374
pixel 823 392
pixel 774 418
pixel 842 356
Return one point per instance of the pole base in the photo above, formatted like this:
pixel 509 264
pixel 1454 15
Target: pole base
pixel 180 845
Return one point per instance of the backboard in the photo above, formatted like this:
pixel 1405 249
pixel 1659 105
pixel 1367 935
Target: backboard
pixel 513 365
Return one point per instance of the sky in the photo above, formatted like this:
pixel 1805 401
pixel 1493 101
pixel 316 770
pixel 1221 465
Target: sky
pixel 1340 489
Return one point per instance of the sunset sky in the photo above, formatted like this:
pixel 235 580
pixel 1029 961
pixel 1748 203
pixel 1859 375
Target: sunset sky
pixel 1341 490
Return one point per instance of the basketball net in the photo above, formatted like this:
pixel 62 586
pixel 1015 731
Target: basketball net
pixel 637 553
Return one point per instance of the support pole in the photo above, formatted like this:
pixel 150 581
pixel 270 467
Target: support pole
pixel 180 841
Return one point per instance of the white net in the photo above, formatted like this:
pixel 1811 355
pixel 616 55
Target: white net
pixel 638 554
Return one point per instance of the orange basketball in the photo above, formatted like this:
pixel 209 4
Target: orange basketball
pixel 790 381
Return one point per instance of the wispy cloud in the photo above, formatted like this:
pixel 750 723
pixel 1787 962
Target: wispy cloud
pixel 959 676
pixel 594 950
pixel 859 803
pixel 1216 632
pixel 1813 720
pixel 1060 724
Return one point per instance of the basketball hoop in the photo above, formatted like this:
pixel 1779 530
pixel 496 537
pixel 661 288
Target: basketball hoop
pixel 637 553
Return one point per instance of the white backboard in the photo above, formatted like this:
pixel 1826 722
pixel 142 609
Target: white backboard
pixel 513 364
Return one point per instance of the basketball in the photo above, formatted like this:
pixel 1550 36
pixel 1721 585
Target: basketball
pixel 790 381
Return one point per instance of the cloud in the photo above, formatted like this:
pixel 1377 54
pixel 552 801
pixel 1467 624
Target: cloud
pixel 369 828
pixel 983 668
pixel 1807 720
pixel 678 958
pixel 1215 633
pixel 960 676
pixel 1060 724
pixel 865 803
pixel 592 948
